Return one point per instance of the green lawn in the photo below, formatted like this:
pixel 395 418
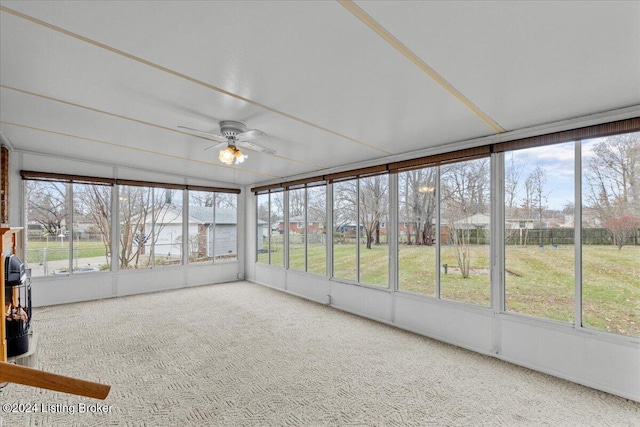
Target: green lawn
pixel 538 281
pixel 611 289
pixel 55 251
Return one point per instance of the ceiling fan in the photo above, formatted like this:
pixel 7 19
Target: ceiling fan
pixel 233 135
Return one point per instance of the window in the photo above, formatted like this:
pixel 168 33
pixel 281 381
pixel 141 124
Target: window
pixel 417 262
pixel 445 219
pixel 297 231
pixel 225 227
pixel 276 248
pixel 69 224
pixel 91 228
pixel 166 225
pixel 316 231
pixel 373 208
pixel 263 228
pixel 465 225
pixel 611 234
pixel 48 219
pixel 271 228
pixel 135 219
pixel 345 230
pixel 150 227
pixel 307 235
pixel 539 231
pixel 213 228
pixel 68 227
pixel 360 249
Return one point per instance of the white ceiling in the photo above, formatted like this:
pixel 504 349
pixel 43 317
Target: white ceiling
pixel 330 84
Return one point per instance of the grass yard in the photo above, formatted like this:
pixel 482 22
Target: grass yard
pixel 538 281
pixel 611 289
pixel 55 251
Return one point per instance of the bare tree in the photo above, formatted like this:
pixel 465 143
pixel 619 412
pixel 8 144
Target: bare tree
pixel 613 177
pixel 374 202
pixel 141 220
pixel 512 176
pixel 534 202
pixel 135 211
pixel 94 202
pixel 297 202
pixel 345 205
pixel 317 205
pixel 263 207
pixel 277 207
pixel 536 197
pixel 464 188
pixel 225 200
pixel 417 191
pixel 47 204
pixel 623 228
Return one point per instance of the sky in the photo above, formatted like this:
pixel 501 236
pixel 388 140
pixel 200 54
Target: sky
pixel 558 163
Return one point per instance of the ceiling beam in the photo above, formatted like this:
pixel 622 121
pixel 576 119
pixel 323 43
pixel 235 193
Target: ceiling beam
pixel 415 59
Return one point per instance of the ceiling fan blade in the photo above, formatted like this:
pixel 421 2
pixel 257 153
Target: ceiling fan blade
pixel 213 135
pixel 255 147
pixel 250 134
pixel 216 146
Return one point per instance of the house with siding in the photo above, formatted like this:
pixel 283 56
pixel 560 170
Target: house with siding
pixel 208 237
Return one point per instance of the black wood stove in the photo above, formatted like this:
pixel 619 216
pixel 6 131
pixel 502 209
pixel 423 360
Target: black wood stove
pixel 17 306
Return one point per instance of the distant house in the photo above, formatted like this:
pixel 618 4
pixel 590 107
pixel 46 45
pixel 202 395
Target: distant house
pixel 478 222
pixel 297 223
pixel 207 237
pixel 407 230
pixel 473 222
pixel 349 229
pixel 518 223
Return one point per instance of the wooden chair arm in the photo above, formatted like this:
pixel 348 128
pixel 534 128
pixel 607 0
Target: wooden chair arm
pixel 36 378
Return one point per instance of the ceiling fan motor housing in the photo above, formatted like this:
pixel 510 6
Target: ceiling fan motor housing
pixel 230 129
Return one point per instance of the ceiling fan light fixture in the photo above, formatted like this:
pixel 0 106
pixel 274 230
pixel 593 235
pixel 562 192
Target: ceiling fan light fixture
pixel 231 155
pixel 226 156
pixel 239 156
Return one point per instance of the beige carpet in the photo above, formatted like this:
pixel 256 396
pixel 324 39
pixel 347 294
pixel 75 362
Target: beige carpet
pixel 240 354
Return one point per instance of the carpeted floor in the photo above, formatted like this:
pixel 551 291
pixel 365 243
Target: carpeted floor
pixel 240 354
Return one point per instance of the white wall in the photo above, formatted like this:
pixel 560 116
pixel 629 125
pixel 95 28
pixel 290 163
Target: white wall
pixel 596 359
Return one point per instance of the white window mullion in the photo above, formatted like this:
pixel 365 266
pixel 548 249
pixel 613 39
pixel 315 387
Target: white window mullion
pixel 69 202
pixel 306 226
pixel 152 248
pixel 497 248
pixel 214 227
pixel 329 230
pixel 439 231
pixel 185 228
pixel 497 243
pixel 115 230
pixel 577 225
pixel 358 230
pixel 285 228
pixel 269 229
pixel 392 231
